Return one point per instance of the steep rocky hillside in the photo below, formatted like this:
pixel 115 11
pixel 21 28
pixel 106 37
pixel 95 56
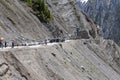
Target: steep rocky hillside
pixel 106 14
pixel 18 22
pixel 69 17
pixel 89 58
pixel 73 60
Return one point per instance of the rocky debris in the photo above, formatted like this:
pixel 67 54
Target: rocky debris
pixel 13 61
pixel 109 51
pixel 52 75
pixel 76 59
pixel 3 69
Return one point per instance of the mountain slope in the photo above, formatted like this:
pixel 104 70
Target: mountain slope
pixel 89 58
pixel 17 21
pixel 106 14
pixel 71 60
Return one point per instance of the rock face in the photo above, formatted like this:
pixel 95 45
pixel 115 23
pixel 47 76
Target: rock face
pixel 109 52
pixel 74 60
pixel 17 21
pixel 106 14
pixel 69 17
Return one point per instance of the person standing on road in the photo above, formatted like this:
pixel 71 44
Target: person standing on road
pixel 5 44
pixel 46 41
pixel 1 45
pixel 1 42
pixel 13 44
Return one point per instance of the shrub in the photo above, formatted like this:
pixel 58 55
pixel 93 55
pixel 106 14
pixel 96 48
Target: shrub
pixel 40 10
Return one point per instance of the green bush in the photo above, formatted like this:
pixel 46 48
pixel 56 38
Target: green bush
pixel 40 10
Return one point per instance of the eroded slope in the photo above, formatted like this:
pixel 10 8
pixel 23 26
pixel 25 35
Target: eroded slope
pixel 64 61
pixel 17 21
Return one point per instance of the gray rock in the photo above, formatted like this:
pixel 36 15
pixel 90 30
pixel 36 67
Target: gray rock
pixel 106 14
pixel 18 23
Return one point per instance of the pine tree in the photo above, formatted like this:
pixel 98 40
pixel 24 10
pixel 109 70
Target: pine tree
pixel 40 10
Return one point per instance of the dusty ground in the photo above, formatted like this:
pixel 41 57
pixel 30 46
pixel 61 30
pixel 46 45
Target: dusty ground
pixel 72 60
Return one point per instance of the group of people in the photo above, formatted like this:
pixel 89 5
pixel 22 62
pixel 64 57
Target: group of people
pixel 5 44
pixel 13 43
